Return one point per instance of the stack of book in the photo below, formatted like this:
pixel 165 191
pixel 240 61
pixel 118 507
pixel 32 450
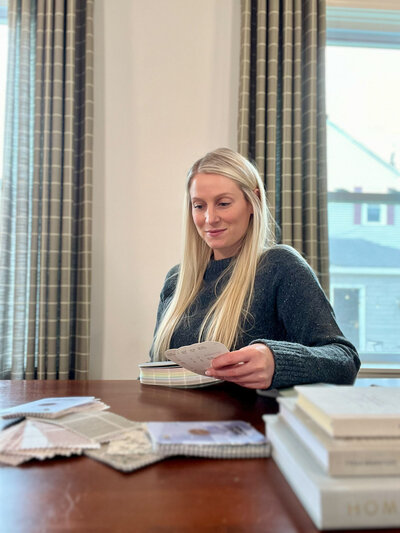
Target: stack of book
pixel 339 449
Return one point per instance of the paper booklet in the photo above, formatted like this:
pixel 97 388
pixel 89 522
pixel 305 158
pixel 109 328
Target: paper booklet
pixel 53 407
pixel 216 439
pixel 185 368
pixel 170 374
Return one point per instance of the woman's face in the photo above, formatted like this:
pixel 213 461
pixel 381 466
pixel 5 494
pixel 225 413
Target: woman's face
pixel 220 213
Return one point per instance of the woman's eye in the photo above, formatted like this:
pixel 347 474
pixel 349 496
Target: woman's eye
pixel 224 204
pixel 197 206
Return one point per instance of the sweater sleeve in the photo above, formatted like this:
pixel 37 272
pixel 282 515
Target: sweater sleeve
pixel 314 350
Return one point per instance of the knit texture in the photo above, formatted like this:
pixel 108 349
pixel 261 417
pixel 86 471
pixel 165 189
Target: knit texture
pixel 289 313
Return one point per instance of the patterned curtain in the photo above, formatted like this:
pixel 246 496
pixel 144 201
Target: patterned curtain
pixel 46 191
pixel 282 118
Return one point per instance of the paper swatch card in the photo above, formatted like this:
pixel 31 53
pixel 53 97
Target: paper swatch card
pixel 197 357
pixel 47 407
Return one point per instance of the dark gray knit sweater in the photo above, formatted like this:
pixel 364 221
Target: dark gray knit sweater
pixel 289 313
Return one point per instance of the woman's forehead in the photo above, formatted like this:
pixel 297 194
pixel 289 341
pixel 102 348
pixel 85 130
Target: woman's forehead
pixel 212 184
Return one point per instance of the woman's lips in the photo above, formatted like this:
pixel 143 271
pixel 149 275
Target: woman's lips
pixel 215 232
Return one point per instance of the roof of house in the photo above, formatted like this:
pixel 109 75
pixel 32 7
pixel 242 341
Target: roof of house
pixel 362 253
pixel 358 167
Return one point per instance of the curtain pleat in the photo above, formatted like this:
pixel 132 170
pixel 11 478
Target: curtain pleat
pixel 16 190
pixel 282 118
pixel 58 272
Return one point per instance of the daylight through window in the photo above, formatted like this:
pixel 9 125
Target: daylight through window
pixel 363 131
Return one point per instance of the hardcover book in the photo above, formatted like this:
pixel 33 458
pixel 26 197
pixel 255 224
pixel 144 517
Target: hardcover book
pixel 347 411
pixel 342 456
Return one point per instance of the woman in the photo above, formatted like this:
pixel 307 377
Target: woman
pixel 234 286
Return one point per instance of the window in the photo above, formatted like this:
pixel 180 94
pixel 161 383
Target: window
pixel 349 304
pixel 3 72
pixel 363 132
pixel 374 214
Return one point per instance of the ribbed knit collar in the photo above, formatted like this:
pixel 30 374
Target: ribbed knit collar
pixel 215 268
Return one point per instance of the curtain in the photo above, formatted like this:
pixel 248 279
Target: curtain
pixel 46 191
pixel 282 118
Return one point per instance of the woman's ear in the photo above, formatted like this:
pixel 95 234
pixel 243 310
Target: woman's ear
pixel 257 193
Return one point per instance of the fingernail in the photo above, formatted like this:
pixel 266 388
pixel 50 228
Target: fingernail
pixel 207 372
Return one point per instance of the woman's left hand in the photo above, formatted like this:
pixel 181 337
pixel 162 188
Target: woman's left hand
pixel 252 366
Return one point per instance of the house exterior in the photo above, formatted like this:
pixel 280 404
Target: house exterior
pixel 364 235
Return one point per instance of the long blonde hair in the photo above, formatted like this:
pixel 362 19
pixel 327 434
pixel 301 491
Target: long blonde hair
pixel 224 318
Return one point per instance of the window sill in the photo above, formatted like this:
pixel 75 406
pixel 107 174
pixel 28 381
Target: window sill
pixel 379 370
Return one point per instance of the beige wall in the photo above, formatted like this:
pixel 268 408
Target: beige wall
pixel 166 89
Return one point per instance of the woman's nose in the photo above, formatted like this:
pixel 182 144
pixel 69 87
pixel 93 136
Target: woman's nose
pixel 211 216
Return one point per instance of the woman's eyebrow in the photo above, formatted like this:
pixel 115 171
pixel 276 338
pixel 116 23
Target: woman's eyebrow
pixel 222 195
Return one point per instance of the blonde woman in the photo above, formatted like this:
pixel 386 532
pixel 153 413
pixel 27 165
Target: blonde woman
pixel 235 286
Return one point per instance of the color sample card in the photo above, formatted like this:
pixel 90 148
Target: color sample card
pixel 197 357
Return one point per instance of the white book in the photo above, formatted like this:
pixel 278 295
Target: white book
pixel 333 503
pixel 338 456
pixel 346 411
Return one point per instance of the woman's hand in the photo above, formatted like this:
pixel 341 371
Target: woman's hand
pixel 252 366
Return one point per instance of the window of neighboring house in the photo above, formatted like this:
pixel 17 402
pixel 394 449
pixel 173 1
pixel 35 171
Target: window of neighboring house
pixel 349 302
pixel 363 132
pixel 374 214
pixel 3 73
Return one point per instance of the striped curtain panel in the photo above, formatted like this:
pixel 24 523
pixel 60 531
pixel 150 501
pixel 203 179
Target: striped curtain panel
pixel 46 192
pixel 282 118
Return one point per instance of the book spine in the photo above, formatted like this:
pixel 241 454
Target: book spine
pixel 364 463
pixel 357 427
pixel 364 509
pixel 306 436
pixel 216 451
pixel 23 414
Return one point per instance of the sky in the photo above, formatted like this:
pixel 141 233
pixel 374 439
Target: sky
pixel 363 96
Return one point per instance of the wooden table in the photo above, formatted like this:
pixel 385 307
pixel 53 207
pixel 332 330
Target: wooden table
pixel 176 495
